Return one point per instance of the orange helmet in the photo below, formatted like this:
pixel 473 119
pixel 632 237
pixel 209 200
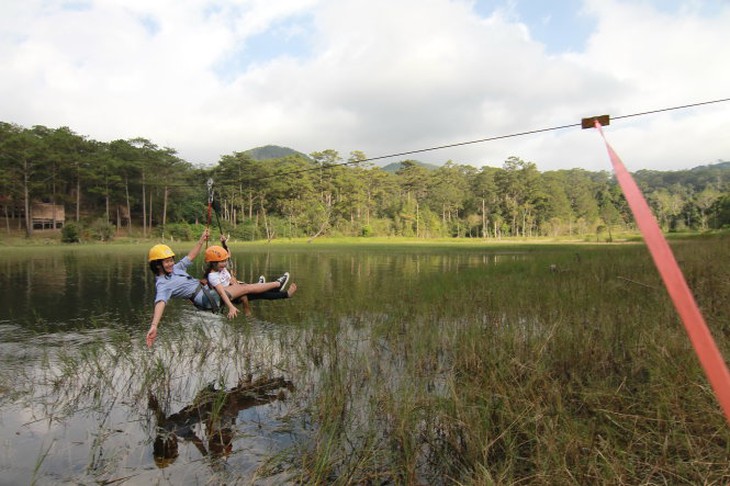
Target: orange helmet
pixel 216 254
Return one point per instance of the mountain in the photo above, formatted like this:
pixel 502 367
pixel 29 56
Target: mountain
pixel 277 152
pixel 393 167
pixel 272 152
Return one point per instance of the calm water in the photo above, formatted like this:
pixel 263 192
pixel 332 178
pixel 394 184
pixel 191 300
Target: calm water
pixel 83 400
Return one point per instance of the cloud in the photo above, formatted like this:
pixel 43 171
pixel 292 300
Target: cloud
pixel 210 78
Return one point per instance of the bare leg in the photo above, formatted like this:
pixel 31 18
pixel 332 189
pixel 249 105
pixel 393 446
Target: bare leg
pixel 246 307
pixel 237 290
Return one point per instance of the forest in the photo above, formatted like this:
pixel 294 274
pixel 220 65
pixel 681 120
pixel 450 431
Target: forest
pixel 135 187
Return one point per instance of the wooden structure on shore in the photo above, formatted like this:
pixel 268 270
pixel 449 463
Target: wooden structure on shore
pixel 47 216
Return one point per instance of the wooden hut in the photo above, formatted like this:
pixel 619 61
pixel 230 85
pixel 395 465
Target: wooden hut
pixel 46 215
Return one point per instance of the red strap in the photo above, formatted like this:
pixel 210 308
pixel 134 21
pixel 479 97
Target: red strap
pixel 704 345
pixel 207 225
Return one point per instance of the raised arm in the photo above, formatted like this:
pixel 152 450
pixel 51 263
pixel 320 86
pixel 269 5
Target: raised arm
pixel 196 249
pixel 224 245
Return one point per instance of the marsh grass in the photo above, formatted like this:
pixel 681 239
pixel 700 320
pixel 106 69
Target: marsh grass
pixel 531 365
pixel 561 368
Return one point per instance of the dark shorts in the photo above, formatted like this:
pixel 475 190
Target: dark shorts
pixel 202 300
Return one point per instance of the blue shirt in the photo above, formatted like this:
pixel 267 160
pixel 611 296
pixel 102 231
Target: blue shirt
pixel 178 284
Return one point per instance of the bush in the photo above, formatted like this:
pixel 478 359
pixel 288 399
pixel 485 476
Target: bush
pixel 246 231
pixel 179 231
pixel 70 233
pixel 102 230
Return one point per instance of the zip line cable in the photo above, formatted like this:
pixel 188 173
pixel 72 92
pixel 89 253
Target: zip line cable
pixel 491 139
pixel 418 151
pixel 481 140
pixel 681 107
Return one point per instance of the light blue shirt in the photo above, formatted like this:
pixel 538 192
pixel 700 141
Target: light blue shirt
pixel 178 284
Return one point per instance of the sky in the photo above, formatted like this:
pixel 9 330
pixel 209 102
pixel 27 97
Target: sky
pixel 212 77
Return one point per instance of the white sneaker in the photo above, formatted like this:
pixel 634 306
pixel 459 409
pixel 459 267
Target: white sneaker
pixel 262 279
pixel 283 280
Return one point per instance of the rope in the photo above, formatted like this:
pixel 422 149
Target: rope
pixel 210 208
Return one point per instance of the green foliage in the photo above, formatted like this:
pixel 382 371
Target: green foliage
pixel 180 231
pixel 70 233
pixel 102 230
pixel 723 213
pixel 248 231
pixel 274 192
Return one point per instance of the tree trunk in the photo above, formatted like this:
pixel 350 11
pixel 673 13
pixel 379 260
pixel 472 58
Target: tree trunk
pixel 269 234
pixel 106 201
pixel 144 206
pixel 129 206
pixel 53 200
pixel 26 202
pixel 78 195
pixel 367 209
pixel 164 207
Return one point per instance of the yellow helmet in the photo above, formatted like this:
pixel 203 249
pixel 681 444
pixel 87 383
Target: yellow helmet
pixel 216 254
pixel 160 252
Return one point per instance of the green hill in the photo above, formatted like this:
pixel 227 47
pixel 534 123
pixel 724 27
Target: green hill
pixel 393 167
pixel 272 152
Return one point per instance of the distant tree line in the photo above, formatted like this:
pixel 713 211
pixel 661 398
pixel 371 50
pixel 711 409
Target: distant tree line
pixel 136 186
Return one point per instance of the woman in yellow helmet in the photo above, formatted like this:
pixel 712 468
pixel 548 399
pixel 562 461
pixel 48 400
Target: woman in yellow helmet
pixel 173 281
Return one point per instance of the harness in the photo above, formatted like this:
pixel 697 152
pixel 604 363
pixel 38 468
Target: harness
pixel 214 307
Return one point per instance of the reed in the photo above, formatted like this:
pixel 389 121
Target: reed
pixel 563 368
pixel 533 365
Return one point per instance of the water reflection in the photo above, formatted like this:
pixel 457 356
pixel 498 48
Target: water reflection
pixel 209 422
pixel 84 400
pixel 60 290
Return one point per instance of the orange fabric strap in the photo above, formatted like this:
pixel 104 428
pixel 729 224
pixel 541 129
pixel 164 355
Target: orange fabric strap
pixel 699 334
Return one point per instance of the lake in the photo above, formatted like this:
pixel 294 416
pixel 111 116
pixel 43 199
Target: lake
pixel 375 371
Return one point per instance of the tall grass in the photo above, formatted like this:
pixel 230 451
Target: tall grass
pixel 542 365
pixel 561 368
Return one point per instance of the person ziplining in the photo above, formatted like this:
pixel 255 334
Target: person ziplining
pixel 231 291
pixel 172 280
